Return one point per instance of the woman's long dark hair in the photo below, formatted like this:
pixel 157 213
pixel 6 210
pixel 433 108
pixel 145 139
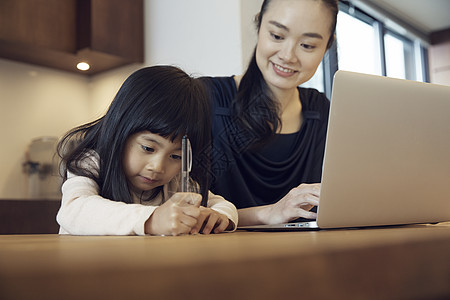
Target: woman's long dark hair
pixel 256 111
pixel 161 99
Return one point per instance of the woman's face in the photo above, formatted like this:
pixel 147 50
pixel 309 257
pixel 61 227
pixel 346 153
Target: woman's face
pixel 292 40
pixel 150 160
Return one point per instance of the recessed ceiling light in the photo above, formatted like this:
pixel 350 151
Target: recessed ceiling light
pixel 83 66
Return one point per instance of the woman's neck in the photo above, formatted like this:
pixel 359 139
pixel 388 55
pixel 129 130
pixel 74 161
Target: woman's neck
pixel 290 107
pixel 287 99
pixel 290 110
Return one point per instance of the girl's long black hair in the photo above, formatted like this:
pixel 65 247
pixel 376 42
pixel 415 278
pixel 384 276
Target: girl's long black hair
pixel 254 105
pixel 161 99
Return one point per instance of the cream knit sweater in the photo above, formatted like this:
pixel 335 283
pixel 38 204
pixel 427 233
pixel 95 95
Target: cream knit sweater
pixel 84 212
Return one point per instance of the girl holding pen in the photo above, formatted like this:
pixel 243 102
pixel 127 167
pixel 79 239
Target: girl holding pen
pixel 122 177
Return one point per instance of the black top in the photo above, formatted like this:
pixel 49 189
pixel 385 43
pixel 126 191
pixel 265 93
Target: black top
pixel 264 176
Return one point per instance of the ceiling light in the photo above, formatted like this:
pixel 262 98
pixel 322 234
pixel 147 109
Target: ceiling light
pixel 83 66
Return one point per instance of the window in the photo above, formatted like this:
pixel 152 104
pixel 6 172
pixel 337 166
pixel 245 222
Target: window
pixel 395 57
pixel 399 53
pixel 356 47
pixel 366 45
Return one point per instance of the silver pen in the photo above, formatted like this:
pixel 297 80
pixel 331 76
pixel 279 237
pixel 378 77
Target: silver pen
pixel 186 163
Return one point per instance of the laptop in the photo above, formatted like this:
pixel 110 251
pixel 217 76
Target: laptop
pixel 387 155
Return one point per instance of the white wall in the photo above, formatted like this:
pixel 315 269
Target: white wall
pixel 204 37
pixel 34 102
pixel 249 8
pixel 201 36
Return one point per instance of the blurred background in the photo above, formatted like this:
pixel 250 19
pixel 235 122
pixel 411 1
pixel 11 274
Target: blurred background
pixel 43 94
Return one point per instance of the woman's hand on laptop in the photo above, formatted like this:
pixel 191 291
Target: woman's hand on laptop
pixel 296 204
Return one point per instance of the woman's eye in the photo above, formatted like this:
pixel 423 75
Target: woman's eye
pixel 308 47
pixel 148 149
pixel 276 36
pixel 175 156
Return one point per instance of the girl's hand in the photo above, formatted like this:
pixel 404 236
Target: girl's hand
pixel 176 216
pixel 209 221
pixel 297 203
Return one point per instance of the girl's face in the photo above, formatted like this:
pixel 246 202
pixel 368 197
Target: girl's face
pixel 150 160
pixel 292 40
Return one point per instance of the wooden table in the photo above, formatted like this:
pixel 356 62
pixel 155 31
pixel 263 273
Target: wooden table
pixel 385 263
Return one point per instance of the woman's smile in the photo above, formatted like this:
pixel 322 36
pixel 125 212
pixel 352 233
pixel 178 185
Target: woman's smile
pixel 282 71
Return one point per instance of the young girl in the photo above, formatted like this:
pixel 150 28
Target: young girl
pixel 122 175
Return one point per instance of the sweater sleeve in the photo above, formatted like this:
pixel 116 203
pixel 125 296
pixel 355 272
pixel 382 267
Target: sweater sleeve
pixel 224 207
pixel 84 212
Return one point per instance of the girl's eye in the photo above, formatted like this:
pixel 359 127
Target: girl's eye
pixel 175 156
pixel 148 149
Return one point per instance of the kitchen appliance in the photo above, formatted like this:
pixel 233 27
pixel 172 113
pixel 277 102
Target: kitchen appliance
pixel 42 168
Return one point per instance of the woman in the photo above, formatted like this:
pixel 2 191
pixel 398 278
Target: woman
pixel 269 134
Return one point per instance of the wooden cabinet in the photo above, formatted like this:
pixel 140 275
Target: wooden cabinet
pixel 28 216
pixel 59 34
